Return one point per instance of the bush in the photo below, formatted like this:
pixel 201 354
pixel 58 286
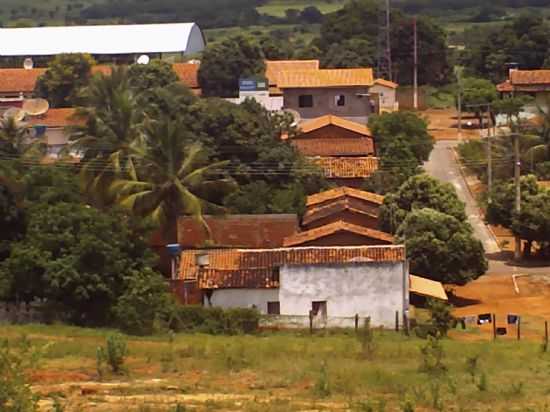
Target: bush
pixel 215 321
pixel 441 317
pixel 114 354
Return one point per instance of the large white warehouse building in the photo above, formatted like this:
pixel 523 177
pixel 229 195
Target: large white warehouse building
pixel 134 39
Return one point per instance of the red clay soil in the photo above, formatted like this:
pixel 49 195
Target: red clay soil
pixel 443 124
pixel 496 294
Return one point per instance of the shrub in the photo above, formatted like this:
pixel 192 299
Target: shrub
pixel 440 316
pixel 214 320
pixel 432 356
pixel 322 385
pixel 15 394
pixel 114 354
pixel 366 338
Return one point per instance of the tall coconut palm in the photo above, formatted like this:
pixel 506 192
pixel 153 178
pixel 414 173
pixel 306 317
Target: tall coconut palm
pixel 167 175
pixel 113 121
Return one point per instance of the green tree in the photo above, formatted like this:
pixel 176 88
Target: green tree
pixel 354 52
pixel 441 247
pixel 390 126
pixel 67 74
pixel 12 222
pixel 223 64
pixel 144 78
pixel 420 191
pixel 476 94
pixel 77 261
pixel 166 176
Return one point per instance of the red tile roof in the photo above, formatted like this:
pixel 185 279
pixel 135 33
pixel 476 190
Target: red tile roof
pixel 334 146
pixel 325 78
pixel 19 80
pixel 317 212
pixel 55 118
pixel 274 67
pixel 386 83
pixel 340 192
pixel 264 278
pixel 529 77
pixel 505 87
pixel 304 237
pixel 347 167
pixel 229 260
pixel 246 231
pixel 188 73
pixel 329 119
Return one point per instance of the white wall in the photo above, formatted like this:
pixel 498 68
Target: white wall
pixel 377 290
pixel 387 96
pixel 243 298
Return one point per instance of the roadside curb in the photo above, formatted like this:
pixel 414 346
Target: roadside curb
pixel 463 175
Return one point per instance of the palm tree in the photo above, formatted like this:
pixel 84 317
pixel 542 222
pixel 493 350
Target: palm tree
pixel 113 121
pixel 166 175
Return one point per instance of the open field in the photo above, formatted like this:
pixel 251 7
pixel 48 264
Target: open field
pixel 286 372
pixel 278 7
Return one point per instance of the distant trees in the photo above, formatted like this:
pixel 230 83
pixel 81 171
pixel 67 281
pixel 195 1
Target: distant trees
pixel 358 19
pixel 476 94
pixel 224 63
pixel 67 74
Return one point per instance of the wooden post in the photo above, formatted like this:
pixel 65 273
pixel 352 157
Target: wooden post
pixel 405 324
pixel 519 327
pixel 311 322
pixel 545 335
pixel 397 321
pixel 356 322
pixel 494 326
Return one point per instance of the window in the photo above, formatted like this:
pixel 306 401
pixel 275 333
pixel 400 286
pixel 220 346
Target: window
pixel 340 100
pixel 305 100
pixel 319 308
pixel 273 308
pixel 275 275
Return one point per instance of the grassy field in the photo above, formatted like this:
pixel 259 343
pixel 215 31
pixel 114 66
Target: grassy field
pixel 278 7
pixel 287 372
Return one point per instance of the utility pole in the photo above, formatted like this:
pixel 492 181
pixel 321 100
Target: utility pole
pixel 388 40
pixel 489 158
pixel 458 73
pixel 517 173
pixel 383 47
pixel 415 74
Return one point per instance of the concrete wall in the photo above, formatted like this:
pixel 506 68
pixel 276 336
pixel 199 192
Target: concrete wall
pixel 324 102
pixel 387 96
pixel 243 298
pixel 372 289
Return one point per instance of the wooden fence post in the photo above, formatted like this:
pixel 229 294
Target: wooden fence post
pixel 397 321
pixel 356 322
pixel 494 326
pixel 311 322
pixel 519 327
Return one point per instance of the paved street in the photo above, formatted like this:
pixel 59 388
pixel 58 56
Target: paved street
pixel 442 165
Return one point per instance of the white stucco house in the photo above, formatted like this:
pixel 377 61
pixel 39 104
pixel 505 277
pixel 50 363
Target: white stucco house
pixel 333 283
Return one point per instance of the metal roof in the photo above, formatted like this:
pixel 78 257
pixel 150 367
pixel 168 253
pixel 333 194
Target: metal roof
pixel 108 39
pixel 427 287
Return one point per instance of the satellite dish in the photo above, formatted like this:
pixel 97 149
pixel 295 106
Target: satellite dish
pixel 295 115
pixel 28 63
pixel 143 59
pixel 16 113
pixel 35 107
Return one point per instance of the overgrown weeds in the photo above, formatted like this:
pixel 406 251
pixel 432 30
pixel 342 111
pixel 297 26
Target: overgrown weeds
pixel 113 354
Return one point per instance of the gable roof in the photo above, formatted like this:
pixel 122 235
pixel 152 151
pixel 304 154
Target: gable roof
pixel 386 83
pixel 331 120
pixel 274 67
pixel 244 231
pixel 529 77
pixel 334 146
pixel 332 228
pixel 505 86
pixel 347 167
pixel 317 212
pixel 325 78
pixel 241 259
pixel 102 39
pixel 343 191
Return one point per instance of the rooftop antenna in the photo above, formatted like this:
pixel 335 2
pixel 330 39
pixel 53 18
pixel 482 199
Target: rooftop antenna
pixel 143 59
pixel 28 64
pixel 35 107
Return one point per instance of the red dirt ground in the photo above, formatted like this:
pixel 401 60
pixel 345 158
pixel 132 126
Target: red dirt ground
pixel 443 124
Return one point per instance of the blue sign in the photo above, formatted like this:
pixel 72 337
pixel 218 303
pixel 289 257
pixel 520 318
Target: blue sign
pixel 252 84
